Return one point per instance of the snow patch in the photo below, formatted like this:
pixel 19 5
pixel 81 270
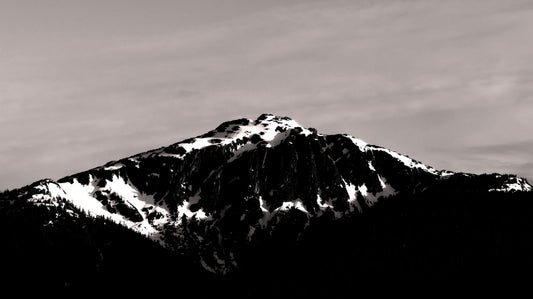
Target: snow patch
pixel 446 174
pixel 184 209
pixel 81 196
pixel 371 198
pixel 55 191
pixel 352 195
pixel 359 143
pixel 197 144
pixel 321 203
pixel 127 192
pixel 242 149
pixel 262 205
pixel 266 213
pixel 296 204
pixel 363 189
pixel 406 160
pixel 285 206
pixel 327 205
pixel 114 167
pixel 50 192
pixel 387 189
pixel 271 129
pixel 514 185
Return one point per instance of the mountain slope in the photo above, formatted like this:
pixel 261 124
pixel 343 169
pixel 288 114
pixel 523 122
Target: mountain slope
pixel 217 197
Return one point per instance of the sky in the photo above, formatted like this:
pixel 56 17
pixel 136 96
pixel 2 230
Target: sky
pixel 449 83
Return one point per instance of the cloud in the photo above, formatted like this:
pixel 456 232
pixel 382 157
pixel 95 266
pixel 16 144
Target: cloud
pixel 409 75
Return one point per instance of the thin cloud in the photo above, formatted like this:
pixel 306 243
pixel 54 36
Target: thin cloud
pixel 524 148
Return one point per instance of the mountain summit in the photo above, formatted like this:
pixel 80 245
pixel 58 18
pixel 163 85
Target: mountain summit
pixel 213 197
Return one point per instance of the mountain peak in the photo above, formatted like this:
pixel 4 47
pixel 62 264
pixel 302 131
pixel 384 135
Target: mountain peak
pixel 240 135
pixel 267 126
pixel 218 197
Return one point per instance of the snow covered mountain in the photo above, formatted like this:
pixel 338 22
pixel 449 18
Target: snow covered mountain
pixel 213 196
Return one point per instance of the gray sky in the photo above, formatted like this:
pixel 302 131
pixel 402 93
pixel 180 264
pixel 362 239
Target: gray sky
pixel 449 83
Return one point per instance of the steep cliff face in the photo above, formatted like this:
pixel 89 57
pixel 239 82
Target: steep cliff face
pixel 213 196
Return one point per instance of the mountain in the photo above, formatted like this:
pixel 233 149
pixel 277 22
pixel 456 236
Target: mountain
pixel 255 194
